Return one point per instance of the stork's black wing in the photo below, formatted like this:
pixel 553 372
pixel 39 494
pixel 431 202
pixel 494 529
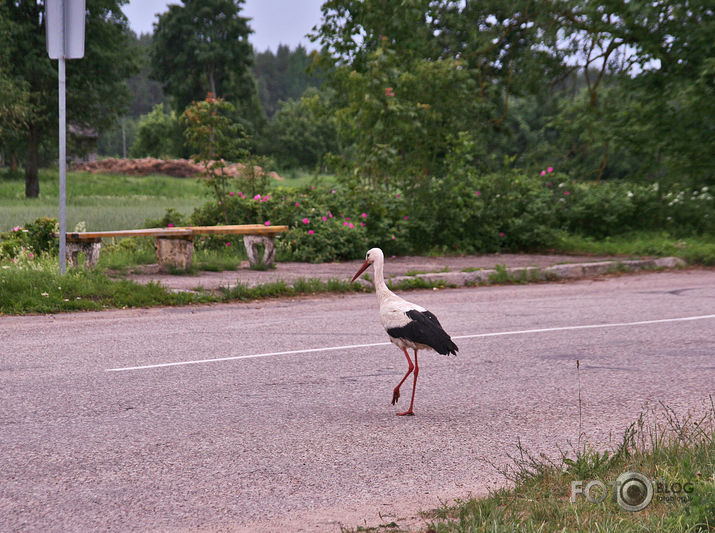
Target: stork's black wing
pixel 424 328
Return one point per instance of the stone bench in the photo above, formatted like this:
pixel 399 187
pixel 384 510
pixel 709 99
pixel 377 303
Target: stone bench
pixel 175 246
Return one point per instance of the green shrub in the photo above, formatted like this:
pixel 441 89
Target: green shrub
pixel 172 218
pixel 35 238
pixel 159 134
pixel 329 241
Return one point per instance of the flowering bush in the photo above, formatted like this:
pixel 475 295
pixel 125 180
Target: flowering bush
pixel 462 212
pixel 31 240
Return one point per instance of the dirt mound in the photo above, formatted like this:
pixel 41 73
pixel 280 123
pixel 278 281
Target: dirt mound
pixel 179 168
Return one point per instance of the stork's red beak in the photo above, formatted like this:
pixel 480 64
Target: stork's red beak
pixel 362 269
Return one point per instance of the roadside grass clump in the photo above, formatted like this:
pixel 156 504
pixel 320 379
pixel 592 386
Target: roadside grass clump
pixel 502 276
pixel 694 249
pixel 418 272
pixel 41 289
pixel 418 283
pixel 676 452
pixel 281 288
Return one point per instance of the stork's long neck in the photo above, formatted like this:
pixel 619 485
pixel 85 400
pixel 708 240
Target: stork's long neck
pixel 380 285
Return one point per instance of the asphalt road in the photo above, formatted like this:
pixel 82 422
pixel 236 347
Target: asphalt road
pixel 309 440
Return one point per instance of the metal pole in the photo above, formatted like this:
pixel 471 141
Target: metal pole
pixel 63 164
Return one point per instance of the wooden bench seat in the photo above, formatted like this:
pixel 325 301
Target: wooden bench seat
pixel 175 246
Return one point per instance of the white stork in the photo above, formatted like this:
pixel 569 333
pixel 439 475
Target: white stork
pixel 408 325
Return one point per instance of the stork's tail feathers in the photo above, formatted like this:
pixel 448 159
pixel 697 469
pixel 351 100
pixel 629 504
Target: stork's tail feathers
pixel 447 347
pixel 452 349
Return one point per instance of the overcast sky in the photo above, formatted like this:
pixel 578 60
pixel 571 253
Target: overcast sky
pixel 273 22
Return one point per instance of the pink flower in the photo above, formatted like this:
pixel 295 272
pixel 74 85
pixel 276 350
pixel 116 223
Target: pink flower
pixel 325 219
pixel 228 244
pixel 363 224
pixel 566 193
pixel 310 232
pixel 312 187
pixel 478 193
pixel 220 202
pixel 30 255
pixel 16 228
pixel 232 193
pixel 389 91
pixel 406 217
pixel 550 169
pixel 501 233
pixel 267 223
pixel 364 215
pixel 297 204
pixel 170 225
pixel 393 237
pixel 305 221
pixel 330 215
pixel 347 218
pixel 333 191
pixel 346 223
pixel 265 198
pixel 543 173
pixel 257 197
pixel 351 225
pixel 397 195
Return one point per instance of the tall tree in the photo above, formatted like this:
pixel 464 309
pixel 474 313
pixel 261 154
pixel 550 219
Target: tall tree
pixel 96 88
pixel 202 47
pixel 284 76
pixel 14 96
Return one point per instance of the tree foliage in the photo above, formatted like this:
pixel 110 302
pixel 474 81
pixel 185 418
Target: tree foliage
pixel 620 88
pixel 202 47
pixel 96 88
pixel 284 76
pixel 303 131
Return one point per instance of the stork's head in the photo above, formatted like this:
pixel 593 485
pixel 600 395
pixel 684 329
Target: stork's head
pixel 373 254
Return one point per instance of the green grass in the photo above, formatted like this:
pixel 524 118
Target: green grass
pixel 301 178
pixel 112 201
pixel 44 290
pixel 418 272
pixel 695 250
pixel 37 287
pixel 102 201
pixel 665 447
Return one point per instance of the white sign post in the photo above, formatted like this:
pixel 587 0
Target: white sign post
pixel 64 21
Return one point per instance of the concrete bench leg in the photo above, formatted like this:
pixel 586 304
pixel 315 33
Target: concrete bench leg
pixel 251 243
pixel 174 252
pixel 90 249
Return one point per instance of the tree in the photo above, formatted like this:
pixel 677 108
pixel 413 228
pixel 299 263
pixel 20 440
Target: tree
pixel 202 47
pixel 215 137
pixel 410 77
pixel 284 75
pixel 159 134
pixel 14 96
pixel 96 88
pixel 303 131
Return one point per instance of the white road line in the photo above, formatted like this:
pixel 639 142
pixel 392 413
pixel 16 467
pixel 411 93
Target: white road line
pixel 350 346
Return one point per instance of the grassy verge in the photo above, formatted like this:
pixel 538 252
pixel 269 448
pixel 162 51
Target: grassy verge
pixel 694 250
pixel 676 454
pixel 37 287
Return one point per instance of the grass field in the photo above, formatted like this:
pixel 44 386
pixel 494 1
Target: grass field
pixel 111 201
pixel 102 201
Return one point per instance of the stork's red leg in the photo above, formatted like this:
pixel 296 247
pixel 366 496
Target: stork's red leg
pixel 396 392
pixel 414 386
